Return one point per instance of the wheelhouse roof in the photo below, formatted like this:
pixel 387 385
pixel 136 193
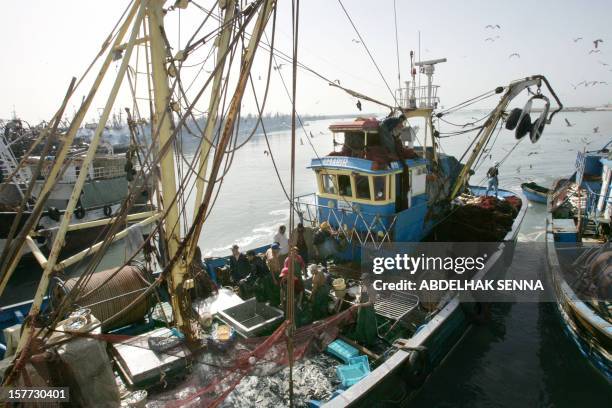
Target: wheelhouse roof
pixel 358 125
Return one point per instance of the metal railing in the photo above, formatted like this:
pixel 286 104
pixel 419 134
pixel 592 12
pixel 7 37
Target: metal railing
pixel 422 98
pixel 352 224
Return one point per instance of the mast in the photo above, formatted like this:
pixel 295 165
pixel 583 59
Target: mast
pixel 161 125
pixel 213 106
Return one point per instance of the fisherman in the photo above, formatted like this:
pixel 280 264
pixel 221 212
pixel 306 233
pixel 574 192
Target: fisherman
pixel 298 291
pixel 319 296
pixel 274 266
pixel 300 242
pixel 253 284
pixel 324 242
pixel 283 241
pixel 492 174
pixel 299 266
pixel 239 265
pixel 204 285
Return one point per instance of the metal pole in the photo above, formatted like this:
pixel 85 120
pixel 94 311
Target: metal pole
pixel 162 125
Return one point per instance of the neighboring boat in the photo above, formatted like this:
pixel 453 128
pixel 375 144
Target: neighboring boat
pixel 535 192
pixel 578 251
pixel 103 193
pixel 153 328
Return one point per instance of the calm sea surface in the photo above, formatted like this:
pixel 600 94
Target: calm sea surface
pixel 522 357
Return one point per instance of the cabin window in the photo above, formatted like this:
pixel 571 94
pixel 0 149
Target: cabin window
pixel 329 183
pixel 380 188
pixel 344 185
pixel 362 187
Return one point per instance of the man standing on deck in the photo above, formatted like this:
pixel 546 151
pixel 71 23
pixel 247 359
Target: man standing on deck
pixel 283 241
pixel 492 174
pixel 239 265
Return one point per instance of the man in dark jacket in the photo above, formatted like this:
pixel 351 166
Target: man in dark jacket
pixel 239 265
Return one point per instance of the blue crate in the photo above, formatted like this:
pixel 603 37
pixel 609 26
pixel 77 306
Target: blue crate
pixel 314 404
pixel 342 350
pixel 360 360
pixel 352 373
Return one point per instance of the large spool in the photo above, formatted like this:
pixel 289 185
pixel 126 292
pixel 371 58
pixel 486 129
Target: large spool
pixel 117 292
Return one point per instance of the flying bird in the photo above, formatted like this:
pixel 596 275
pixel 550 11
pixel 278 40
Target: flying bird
pixel 605 64
pixel 515 54
pixel 266 152
pixel 355 41
pixel 596 129
pixel 596 42
pixel 311 135
pixel 359 104
pixel 577 39
pixel 489 39
pixel 279 66
pixel 568 123
pixel 493 26
pixel 337 81
pixel 594 51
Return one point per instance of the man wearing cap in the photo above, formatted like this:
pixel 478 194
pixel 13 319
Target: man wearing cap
pixel 492 174
pixel 300 242
pixel 239 265
pixel 253 284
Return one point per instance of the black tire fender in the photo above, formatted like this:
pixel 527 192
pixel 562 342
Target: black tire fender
pixel 523 127
pixel 79 212
pixel 108 211
pixel 513 118
pixel 54 213
pixel 415 370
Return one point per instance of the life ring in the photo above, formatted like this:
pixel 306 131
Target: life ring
pixel 513 118
pixel 415 370
pixel 108 211
pixel 54 213
pixel 79 212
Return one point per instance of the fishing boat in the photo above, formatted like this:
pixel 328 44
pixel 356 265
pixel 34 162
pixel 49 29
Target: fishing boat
pixel 578 252
pixel 535 193
pixel 25 163
pixel 163 327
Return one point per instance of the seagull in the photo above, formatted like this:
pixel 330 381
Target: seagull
pixel 605 64
pixel 337 81
pixel 596 129
pixel 566 140
pixel 532 153
pixel 569 124
pixel 585 141
pixel 311 135
pixel 266 152
pixel 596 42
pixel 515 54
pixel 359 104
pixel 594 51
pixel 492 27
pixel 577 39
pixel 279 66
pixel 356 41
pixel 489 39
pixel 603 82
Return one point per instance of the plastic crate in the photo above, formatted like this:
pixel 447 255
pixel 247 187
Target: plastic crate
pixel 314 404
pixel 342 350
pixel 352 373
pixel 360 360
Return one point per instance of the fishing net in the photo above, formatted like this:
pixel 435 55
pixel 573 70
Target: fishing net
pixel 255 368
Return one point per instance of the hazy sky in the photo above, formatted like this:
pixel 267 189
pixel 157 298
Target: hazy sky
pixel 45 43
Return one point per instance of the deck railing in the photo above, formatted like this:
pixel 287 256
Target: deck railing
pixel 352 224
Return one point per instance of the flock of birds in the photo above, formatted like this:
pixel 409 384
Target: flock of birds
pixel 497 37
